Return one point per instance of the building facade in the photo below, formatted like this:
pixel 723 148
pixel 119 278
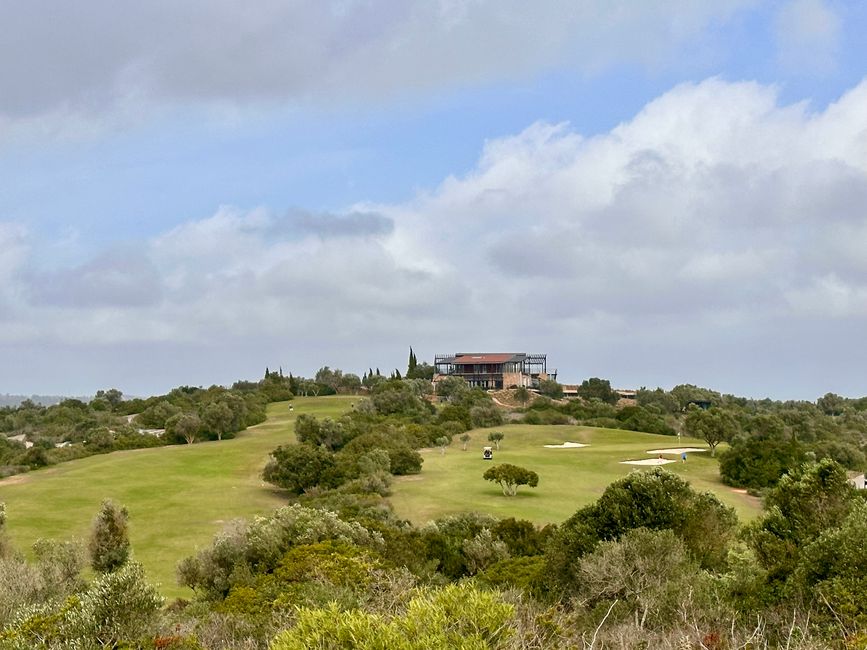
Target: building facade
pixel 496 370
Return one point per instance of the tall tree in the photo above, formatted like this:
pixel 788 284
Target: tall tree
pixel 413 362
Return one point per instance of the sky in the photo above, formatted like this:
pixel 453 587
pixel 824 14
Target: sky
pixel 650 191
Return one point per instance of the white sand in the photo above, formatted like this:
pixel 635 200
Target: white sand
pixel 565 445
pixel 675 450
pixel 649 461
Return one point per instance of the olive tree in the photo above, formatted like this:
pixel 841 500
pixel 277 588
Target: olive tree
pixel 510 477
pixel 496 437
pixel 713 425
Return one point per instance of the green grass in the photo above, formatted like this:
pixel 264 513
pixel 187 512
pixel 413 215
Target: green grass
pixel 178 497
pixel 568 478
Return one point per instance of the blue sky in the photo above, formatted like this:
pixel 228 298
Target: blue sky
pixel 655 192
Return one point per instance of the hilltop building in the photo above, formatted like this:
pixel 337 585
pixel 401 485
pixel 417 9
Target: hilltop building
pixel 494 370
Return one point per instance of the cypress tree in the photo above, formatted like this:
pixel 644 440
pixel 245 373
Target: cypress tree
pixel 412 363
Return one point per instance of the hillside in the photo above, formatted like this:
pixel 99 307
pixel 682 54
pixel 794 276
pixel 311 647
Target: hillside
pixel 178 496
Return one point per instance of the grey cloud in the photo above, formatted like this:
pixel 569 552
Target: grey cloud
pixel 85 57
pixel 119 278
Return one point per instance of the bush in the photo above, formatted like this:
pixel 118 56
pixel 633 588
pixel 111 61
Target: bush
pixel 246 548
pixel 109 538
pixel 458 616
pixel 298 468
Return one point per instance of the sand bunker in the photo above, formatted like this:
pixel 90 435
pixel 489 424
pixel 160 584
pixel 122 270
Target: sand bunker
pixel 675 450
pixel 648 461
pixel 565 445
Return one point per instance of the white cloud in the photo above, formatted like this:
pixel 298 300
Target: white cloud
pixel 706 235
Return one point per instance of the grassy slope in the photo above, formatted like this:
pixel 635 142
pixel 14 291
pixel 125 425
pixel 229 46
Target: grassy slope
pixel 178 497
pixel 568 478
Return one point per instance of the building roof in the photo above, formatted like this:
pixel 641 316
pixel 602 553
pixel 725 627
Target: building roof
pixel 469 358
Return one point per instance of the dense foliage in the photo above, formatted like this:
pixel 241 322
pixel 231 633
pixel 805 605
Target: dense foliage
pixel 378 438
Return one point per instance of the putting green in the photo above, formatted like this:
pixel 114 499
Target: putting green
pixel 568 478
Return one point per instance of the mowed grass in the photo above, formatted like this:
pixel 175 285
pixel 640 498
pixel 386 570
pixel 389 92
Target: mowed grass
pixel 178 497
pixel 568 478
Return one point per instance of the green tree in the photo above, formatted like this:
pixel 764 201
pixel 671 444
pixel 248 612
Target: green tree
pixel 465 438
pixel 496 437
pixel 759 460
pixel 325 433
pixel 599 389
pixel 298 468
pixel 217 419
pixel 649 572
pixel 813 498
pixel 550 388
pixel 485 415
pixel 452 388
pixel 831 404
pixel 422 370
pixel 411 366
pixel 522 395
pixel 350 383
pixel 442 442
pixel 714 426
pixel 655 499
pixel 510 477
pixel 109 546
pixel 184 426
pixel 113 396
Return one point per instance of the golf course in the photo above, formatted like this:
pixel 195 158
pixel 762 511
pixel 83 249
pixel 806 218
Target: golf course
pixel 179 496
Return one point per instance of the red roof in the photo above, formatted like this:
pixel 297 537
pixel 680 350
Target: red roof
pixel 468 359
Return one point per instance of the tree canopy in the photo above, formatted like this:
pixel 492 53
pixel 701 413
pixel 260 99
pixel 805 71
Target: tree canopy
pixel 510 477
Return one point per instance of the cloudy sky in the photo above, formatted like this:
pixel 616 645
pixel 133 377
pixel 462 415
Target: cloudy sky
pixel 652 191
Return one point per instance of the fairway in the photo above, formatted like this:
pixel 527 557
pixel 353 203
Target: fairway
pixel 178 497
pixel 568 478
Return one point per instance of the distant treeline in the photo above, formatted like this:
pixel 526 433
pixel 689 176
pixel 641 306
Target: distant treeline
pixel 44 400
